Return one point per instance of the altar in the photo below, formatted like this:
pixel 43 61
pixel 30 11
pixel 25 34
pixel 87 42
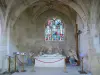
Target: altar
pixel 50 60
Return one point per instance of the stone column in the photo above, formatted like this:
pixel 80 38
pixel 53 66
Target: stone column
pixel 94 46
pixel 3 47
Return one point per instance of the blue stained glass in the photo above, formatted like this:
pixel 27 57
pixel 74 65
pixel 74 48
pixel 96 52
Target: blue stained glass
pixel 61 27
pixel 58 22
pixel 54 26
pixel 54 30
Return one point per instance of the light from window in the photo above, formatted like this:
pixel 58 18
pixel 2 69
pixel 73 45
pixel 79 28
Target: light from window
pixel 54 30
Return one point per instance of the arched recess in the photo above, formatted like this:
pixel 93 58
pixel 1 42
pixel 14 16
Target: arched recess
pixel 21 7
pixel 43 9
pixel 71 4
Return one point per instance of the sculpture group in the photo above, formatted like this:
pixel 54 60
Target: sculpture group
pixel 50 51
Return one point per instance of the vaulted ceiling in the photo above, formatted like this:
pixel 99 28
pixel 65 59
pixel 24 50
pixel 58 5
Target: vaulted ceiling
pixel 69 7
pixel 40 7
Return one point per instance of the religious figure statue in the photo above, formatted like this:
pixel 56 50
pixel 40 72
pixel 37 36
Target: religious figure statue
pixel 49 51
pixel 41 53
pixel 72 57
pixel 60 51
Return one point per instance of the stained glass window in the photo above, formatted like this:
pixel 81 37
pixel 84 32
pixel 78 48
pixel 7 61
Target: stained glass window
pixel 54 30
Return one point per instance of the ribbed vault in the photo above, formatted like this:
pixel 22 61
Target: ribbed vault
pixel 18 6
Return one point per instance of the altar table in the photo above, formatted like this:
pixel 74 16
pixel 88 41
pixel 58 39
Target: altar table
pixel 54 60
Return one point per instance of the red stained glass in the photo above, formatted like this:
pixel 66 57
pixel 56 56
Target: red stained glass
pixel 49 22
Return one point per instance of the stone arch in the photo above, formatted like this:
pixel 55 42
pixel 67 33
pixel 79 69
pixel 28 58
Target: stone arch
pixel 79 10
pixel 8 11
pixel 46 9
pixel 71 4
pixel 2 23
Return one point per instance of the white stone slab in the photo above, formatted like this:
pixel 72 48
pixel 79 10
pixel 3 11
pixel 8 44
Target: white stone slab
pixel 49 61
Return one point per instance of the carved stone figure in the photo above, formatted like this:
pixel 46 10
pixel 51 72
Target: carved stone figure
pixel 41 53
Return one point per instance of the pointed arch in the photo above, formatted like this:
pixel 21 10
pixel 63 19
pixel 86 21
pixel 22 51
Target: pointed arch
pixel 54 29
pixel 71 4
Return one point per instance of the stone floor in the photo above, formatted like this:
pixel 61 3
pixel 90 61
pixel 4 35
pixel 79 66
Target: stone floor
pixel 72 70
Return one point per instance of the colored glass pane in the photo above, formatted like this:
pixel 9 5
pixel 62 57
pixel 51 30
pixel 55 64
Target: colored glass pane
pixel 54 30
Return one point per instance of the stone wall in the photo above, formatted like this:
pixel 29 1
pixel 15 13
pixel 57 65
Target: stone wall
pixel 28 34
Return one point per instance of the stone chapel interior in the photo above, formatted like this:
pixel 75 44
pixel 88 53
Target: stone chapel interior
pixel 49 36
